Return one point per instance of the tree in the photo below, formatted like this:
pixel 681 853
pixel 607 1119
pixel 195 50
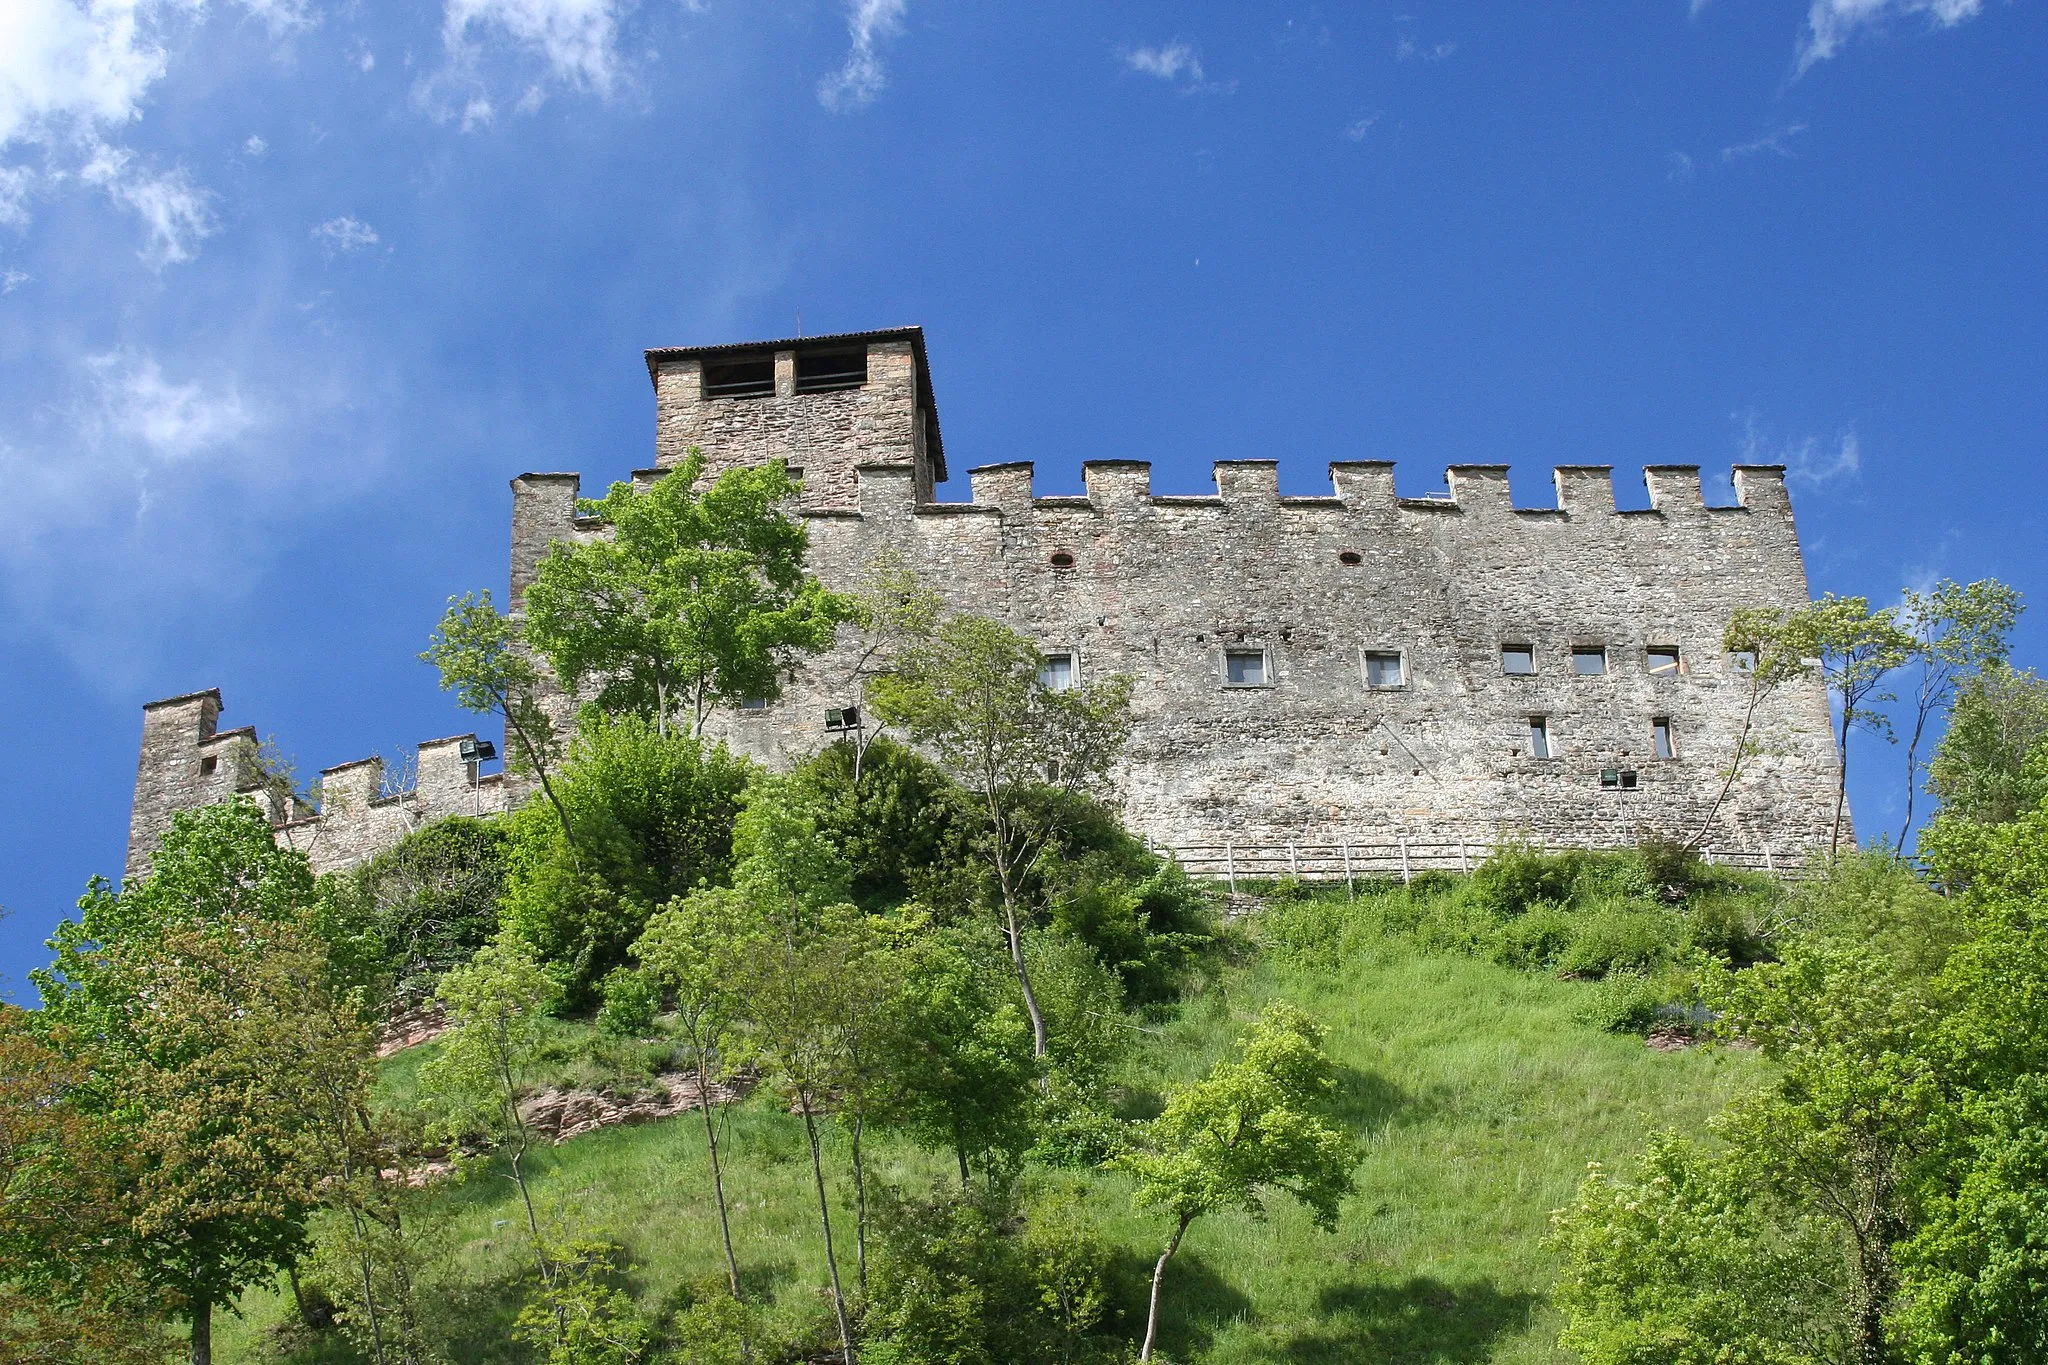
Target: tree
pixel 1957 631
pixel 654 817
pixel 972 694
pixel 962 1063
pixel 1771 657
pixel 498 1003
pixel 177 989
pixel 696 949
pixel 483 660
pixel 428 902
pixel 1856 649
pixel 71 1288
pixel 695 599
pixel 1246 1129
pixel 1992 762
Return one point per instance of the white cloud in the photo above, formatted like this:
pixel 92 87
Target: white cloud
pixel 1814 461
pixel 861 79
pixel 11 280
pixel 283 15
pixel 15 184
pixel 163 421
pixel 1168 61
pixel 1777 142
pixel 175 213
pixel 342 236
pixel 1678 168
pixel 577 38
pixel 1357 129
pixel 70 69
pixel 1832 23
pixel 478 113
pixel 255 146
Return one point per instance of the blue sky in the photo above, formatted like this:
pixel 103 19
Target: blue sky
pixel 290 288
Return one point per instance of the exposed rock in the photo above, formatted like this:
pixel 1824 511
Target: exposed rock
pixel 420 1024
pixel 559 1115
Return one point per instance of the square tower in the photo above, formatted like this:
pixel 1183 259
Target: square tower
pixel 827 405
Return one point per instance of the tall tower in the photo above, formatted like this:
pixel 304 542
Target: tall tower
pixel 827 405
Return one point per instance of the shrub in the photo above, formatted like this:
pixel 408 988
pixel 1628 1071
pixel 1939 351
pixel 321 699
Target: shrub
pixel 1516 876
pixel 1726 925
pixel 427 903
pixel 1536 938
pixel 1625 1002
pixel 906 823
pixel 1083 1005
pixel 631 999
pixel 1151 929
pixel 653 818
pixel 1618 937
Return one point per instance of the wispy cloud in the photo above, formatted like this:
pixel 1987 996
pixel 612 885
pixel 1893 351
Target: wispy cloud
pixel 162 420
pixel 1778 142
pixel 861 79
pixel 343 236
pixel 176 214
pixel 1178 64
pixel 11 280
pixel 1816 462
pixel 255 146
pixel 577 40
pixel 1830 24
pixel 1357 129
pixel 1408 47
pixel 1678 168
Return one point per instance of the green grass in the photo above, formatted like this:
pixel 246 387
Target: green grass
pixel 1477 1090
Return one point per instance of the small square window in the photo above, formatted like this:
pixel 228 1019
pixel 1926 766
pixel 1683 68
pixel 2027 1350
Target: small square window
pixel 1743 659
pixel 753 704
pixel 1539 737
pixel 1660 737
pixel 1384 668
pixel 1662 661
pixel 1056 672
pixel 1518 660
pixel 1244 667
pixel 207 765
pixel 1589 661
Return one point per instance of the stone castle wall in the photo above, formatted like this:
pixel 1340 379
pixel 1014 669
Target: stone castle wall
pixel 1164 588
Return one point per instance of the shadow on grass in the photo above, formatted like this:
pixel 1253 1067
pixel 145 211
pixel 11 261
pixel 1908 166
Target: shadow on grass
pixel 1368 1101
pixel 1420 1319
pixel 1194 1301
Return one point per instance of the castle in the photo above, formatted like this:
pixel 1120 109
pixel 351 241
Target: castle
pixel 1360 671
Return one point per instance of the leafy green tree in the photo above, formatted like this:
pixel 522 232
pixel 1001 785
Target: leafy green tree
pixel 1246 1129
pixel 1992 762
pixel 697 948
pixel 498 1003
pixel 962 1062
pixel 178 989
pixel 1690 1262
pixel 971 694
pixel 694 599
pixel 483 660
pixel 898 821
pixel 654 816
pixel 1957 630
pixel 1856 649
pixel 426 903
pixel 71 1287
pixel 582 1314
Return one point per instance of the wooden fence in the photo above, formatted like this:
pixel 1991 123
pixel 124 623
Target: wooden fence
pixel 1352 862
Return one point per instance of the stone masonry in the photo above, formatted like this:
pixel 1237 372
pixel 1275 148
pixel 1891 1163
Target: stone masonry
pixel 1307 669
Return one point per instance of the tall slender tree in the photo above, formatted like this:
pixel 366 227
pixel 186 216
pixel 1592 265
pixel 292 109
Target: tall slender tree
pixel 1958 630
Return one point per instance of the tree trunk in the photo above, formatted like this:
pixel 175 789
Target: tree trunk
pixel 860 1209
pixel 732 1265
pixel 1158 1274
pixel 1912 776
pixel 540 770
pixel 1735 762
pixel 1016 940
pixel 202 1330
pixel 540 1254
pixel 803 1101
pixel 1841 782
pixel 1873 1297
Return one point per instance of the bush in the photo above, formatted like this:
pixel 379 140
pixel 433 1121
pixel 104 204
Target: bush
pixel 631 999
pixel 1082 1001
pixel 653 818
pixel 959 1278
pixel 1152 929
pixel 427 903
pixel 1536 938
pixel 906 823
pixel 1625 1002
pixel 1618 937
pixel 1516 876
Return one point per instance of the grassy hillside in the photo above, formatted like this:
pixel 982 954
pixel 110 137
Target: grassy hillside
pixel 1479 1093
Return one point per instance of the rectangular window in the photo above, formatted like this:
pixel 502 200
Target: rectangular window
pixel 1663 661
pixel 1660 737
pixel 1589 661
pixel 753 704
pixel 1539 737
pixel 824 371
pixel 1244 667
pixel 1383 668
pixel 1743 659
pixel 207 765
pixel 1518 660
pixel 751 378
pixel 1056 672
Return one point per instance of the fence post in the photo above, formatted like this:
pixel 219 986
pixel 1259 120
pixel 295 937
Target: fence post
pixel 1293 861
pixel 1350 888
pixel 1406 875
pixel 1769 866
pixel 1230 865
pixel 1464 863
